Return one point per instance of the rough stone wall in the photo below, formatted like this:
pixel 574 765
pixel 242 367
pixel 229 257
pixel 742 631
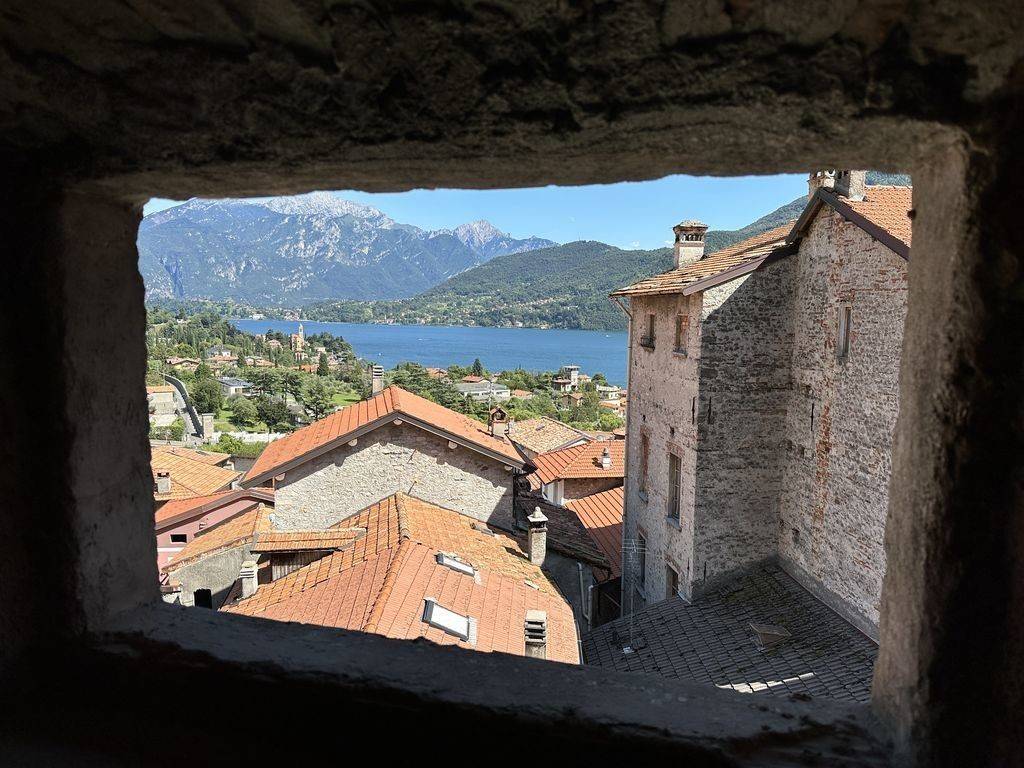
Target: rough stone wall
pixel 842 416
pixel 393 458
pixel 662 392
pixel 578 487
pixel 745 349
pixel 217 573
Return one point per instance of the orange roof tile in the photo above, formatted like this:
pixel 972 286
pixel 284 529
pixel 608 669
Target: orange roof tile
pixel 601 515
pixel 747 252
pixel 582 461
pixel 227 534
pixel 297 541
pixel 543 434
pixel 161 389
pixel 380 582
pixel 888 208
pixel 196 505
pixel 393 401
pixel 193 473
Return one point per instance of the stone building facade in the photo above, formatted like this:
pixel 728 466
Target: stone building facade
pixel 388 460
pixel 752 435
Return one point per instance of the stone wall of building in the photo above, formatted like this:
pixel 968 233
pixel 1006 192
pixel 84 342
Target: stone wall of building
pixel 662 407
pixel 343 481
pixel 841 416
pixel 578 487
pixel 745 349
pixel 217 572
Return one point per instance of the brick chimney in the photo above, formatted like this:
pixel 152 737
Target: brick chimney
pixel 851 184
pixel 163 482
pixel 497 421
pixel 536 629
pixel 376 378
pixel 689 242
pixel 606 459
pixel 247 575
pixel 537 537
pixel 826 177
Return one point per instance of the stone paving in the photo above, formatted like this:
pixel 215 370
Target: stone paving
pixel 711 641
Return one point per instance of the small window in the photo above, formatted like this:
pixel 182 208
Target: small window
pixel 202 598
pixel 647 340
pixel 179 538
pixel 462 627
pixel 843 342
pixel 450 561
pixel 642 559
pixel 682 328
pixel 671 581
pixel 645 452
pixel 674 485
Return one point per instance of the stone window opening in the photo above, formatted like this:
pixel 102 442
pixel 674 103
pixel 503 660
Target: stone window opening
pixel 645 455
pixel 682 328
pixel 675 480
pixel 647 339
pixel 202 598
pixel 179 538
pixel 843 333
pixel 671 581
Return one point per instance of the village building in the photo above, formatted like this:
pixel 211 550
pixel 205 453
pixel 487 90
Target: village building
pixel 541 435
pixel 409 569
pixel 484 391
pixel 232 385
pixel 184 473
pixel 763 397
pixel 297 343
pixel 600 514
pixel 440 374
pixel 183 363
pixel 582 470
pixel 393 442
pixel 162 404
pixel 567 380
pixel 522 394
pixel 568 400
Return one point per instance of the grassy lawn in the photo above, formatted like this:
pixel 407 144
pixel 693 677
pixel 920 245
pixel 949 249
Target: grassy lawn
pixel 222 423
pixel 345 398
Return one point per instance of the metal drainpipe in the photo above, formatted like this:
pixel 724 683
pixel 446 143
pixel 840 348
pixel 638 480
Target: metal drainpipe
pixel 625 458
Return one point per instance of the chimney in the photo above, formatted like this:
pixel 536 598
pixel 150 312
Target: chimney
pixel 497 420
pixel 536 634
pixel 247 575
pixel 606 459
pixel 537 536
pixel 163 482
pixel 822 178
pixel 850 184
pixel 689 242
pixel 376 378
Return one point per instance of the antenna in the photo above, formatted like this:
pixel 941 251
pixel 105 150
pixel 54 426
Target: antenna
pixel 632 553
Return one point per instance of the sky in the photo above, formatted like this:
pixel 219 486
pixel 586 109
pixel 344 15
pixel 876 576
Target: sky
pixel 629 214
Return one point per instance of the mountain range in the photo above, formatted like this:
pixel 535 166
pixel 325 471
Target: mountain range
pixel 290 251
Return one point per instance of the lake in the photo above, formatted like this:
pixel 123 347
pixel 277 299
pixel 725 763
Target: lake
pixel 498 348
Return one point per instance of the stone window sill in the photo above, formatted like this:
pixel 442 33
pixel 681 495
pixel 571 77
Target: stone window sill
pixel 680 352
pixel 647 343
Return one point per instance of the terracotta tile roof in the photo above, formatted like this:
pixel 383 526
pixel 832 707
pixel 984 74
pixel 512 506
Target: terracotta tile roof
pixel 887 207
pixel 163 388
pixel 193 473
pixel 582 461
pixel 298 541
pixel 380 582
pixel 206 457
pixel 601 515
pixel 228 534
pixel 392 402
pixel 543 434
pixel 744 253
pixel 195 505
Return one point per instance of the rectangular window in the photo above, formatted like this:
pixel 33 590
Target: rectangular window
pixel 450 561
pixel 675 467
pixel 462 627
pixel 647 340
pixel 179 538
pixel 843 342
pixel 682 328
pixel 642 559
pixel 645 452
pixel 671 581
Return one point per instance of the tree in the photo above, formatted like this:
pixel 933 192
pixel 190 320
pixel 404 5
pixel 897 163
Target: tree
pixel 206 396
pixel 265 381
pixel 322 368
pixel 315 398
pixel 203 372
pixel 273 413
pixel 291 382
pixel 478 367
pixel 243 412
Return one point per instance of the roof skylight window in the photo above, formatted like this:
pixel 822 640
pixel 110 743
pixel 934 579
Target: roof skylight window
pixel 450 561
pixel 462 627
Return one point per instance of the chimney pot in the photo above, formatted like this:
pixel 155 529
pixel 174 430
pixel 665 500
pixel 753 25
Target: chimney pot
pixel 163 482
pixel 606 459
pixel 497 421
pixel 376 378
pixel 536 631
pixel 689 245
pixel 247 575
pixel 537 536
pixel 822 178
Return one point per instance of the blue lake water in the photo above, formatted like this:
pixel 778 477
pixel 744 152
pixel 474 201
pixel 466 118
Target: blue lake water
pixel 498 348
